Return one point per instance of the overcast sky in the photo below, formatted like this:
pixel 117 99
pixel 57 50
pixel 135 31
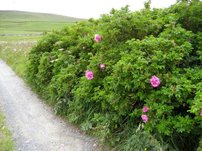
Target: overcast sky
pixel 78 8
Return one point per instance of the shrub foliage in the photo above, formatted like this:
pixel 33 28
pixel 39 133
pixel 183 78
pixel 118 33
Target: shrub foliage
pixel 132 47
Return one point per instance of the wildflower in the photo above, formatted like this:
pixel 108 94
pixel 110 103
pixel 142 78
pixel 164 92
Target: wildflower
pixel 89 75
pixel 97 38
pixel 102 66
pixel 201 113
pixel 145 109
pixel 144 118
pixel 155 81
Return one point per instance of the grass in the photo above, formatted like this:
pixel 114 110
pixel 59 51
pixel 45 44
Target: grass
pixel 16 54
pixel 15 23
pixel 19 38
pixel 6 141
pixel 30 27
pixel 16 26
pixel 30 16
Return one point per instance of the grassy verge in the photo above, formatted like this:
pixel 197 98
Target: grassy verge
pixel 15 54
pixel 6 142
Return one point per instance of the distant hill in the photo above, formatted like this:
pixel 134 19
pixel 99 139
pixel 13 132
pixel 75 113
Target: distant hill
pixel 20 22
pixel 31 16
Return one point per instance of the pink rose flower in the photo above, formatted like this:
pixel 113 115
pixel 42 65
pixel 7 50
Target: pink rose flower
pixel 102 66
pixel 155 81
pixel 89 75
pixel 145 109
pixel 201 113
pixel 144 118
pixel 97 38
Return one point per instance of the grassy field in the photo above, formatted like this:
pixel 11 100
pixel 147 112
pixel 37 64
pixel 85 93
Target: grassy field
pixel 19 38
pixel 17 22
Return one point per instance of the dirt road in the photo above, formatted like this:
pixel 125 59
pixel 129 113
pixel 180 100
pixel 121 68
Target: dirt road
pixel 33 124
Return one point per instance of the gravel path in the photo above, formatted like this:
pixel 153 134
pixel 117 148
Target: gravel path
pixel 33 124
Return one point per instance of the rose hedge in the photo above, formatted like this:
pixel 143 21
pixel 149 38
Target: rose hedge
pixel 127 70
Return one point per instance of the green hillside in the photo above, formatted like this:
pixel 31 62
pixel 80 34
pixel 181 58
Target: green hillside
pixel 19 22
pixel 30 16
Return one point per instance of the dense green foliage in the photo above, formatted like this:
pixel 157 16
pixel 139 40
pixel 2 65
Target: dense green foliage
pixel 200 145
pixel 134 47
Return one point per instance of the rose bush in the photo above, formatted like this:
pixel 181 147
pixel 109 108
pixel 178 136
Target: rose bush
pixel 140 75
